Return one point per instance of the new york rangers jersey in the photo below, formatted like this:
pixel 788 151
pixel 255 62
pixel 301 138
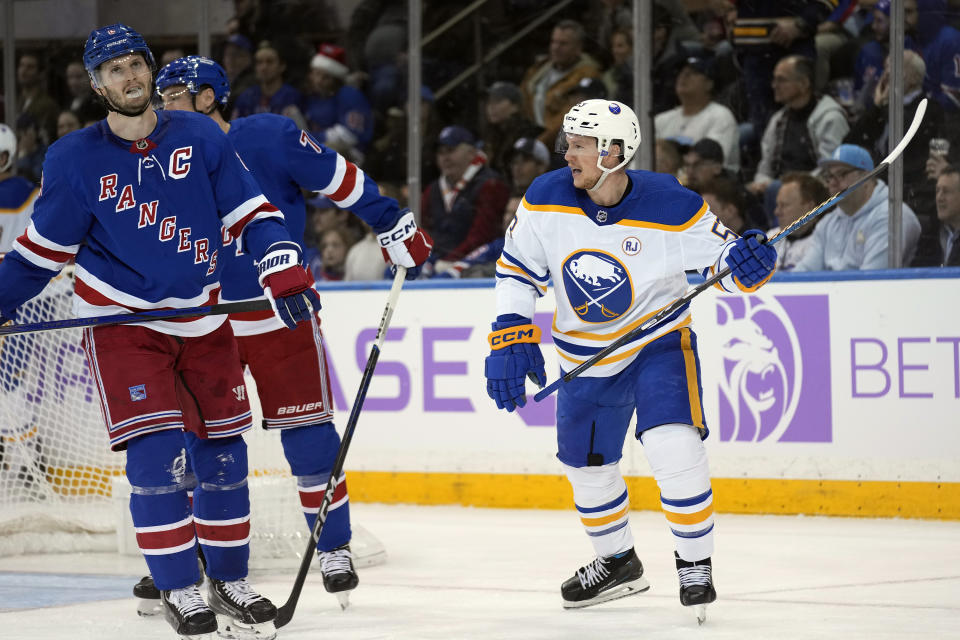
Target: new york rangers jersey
pixel 17 196
pixel 284 160
pixel 612 267
pixel 143 221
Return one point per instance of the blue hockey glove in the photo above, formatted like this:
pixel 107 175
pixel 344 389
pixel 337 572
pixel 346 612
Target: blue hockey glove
pixel 287 284
pixel 751 259
pixel 514 354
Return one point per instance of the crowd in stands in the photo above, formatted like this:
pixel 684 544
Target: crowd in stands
pixel 765 108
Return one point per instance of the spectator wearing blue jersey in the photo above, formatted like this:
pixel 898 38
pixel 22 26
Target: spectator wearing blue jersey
pixel 290 367
pixel 337 114
pixel 271 94
pixel 870 58
pixel 237 61
pixel 940 45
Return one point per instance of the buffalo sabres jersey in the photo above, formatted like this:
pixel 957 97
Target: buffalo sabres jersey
pixel 284 159
pixel 142 219
pixel 612 267
pixel 16 205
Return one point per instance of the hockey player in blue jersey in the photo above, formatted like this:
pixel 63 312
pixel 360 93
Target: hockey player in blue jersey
pixel 616 244
pixel 138 200
pixel 290 367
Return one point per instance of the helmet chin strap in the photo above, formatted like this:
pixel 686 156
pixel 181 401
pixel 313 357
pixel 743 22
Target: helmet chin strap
pixel 600 181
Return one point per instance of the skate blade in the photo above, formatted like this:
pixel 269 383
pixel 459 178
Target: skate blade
pixel 149 608
pixel 202 636
pixel 230 629
pixel 701 611
pixel 620 591
pixel 343 597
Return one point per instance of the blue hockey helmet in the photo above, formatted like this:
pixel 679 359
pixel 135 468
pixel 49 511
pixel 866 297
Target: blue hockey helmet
pixel 107 43
pixel 194 72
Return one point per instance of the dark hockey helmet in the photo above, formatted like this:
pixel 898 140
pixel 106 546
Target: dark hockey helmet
pixel 195 72
pixel 107 43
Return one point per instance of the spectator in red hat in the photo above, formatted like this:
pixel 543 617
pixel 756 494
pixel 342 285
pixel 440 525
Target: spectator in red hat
pixel 338 114
pixel 463 208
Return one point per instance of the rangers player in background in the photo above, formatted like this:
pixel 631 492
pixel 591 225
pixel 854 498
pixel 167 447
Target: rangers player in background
pixel 17 194
pixel 290 367
pixel 616 243
pixel 139 200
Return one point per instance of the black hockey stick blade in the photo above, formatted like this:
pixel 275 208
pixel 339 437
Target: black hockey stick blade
pixel 285 612
pixel 652 322
pixel 261 304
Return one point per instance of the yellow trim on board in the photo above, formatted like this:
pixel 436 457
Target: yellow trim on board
pixel 873 499
pixel 869 499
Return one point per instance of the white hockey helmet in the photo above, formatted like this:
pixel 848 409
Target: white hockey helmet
pixel 8 143
pixel 608 121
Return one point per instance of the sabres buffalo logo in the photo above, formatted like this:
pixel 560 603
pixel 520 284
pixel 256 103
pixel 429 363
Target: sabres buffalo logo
pixel 597 285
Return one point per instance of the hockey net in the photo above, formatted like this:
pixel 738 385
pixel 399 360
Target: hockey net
pixel 63 490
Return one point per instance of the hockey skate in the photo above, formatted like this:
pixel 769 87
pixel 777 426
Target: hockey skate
pixel 148 596
pixel 339 575
pixel 188 614
pixel 603 580
pixel 243 613
pixel 696 585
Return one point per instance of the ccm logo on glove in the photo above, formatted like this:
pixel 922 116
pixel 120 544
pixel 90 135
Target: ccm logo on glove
pixel 399 233
pixel 514 335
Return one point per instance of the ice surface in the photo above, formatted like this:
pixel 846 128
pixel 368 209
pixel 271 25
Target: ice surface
pixel 469 573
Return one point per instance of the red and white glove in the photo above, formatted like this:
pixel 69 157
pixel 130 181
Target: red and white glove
pixel 406 245
pixel 287 284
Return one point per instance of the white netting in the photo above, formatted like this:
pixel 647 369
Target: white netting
pixel 55 462
pixel 62 489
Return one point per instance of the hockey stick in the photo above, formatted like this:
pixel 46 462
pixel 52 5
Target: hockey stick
pixel 261 304
pixel 700 288
pixel 285 613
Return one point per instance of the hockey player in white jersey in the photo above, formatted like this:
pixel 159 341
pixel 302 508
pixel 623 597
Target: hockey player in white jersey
pixel 17 194
pixel 616 244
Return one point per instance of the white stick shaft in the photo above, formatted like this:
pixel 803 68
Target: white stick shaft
pixel 398 279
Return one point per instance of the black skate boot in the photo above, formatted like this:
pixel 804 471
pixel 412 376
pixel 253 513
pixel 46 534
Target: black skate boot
pixel 696 585
pixel 339 575
pixel 603 580
pixel 148 596
pixel 246 613
pixel 188 614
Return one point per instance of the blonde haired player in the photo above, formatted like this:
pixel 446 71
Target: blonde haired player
pixel 616 244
